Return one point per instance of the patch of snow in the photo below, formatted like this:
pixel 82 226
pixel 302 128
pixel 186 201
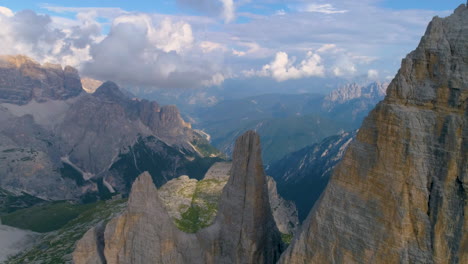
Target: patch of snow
pixel 86 175
pixel 108 186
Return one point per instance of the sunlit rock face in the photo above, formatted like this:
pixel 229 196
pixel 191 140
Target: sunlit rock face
pixel 23 80
pixel 400 193
pixel 244 230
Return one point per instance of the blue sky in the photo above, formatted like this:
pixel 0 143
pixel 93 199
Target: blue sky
pixel 193 43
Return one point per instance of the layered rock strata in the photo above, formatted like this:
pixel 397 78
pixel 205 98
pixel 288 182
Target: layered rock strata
pixel 400 193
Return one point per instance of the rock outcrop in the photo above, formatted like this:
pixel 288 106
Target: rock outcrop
pixel 22 80
pixel 244 230
pixel 182 194
pixel 400 193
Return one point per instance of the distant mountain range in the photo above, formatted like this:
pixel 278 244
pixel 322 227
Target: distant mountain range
pixel 302 176
pixel 290 122
pixel 59 142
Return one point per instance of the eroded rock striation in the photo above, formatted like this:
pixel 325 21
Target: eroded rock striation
pixel 244 230
pixel 23 80
pixel 400 193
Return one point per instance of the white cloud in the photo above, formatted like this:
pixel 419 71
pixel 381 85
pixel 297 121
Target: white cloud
pixel 173 36
pixel 215 80
pixel 141 52
pixel 322 8
pixel 6 11
pixel 282 68
pixel 373 74
pixel 344 67
pixel 209 46
pixel 238 53
pixel 32 34
pixel 228 10
pixel 225 9
pixel 167 35
pixel 280 12
pixel 244 48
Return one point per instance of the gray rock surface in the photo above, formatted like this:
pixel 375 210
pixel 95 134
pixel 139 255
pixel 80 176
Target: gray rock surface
pixel 57 142
pixel 284 212
pixel 244 230
pixel 22 80
pixel 400 193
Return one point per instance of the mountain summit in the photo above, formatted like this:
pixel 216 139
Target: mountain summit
pixel 400 193
pixel 243 232
pixel 22 80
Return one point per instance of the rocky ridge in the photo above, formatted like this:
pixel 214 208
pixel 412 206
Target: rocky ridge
pixel 58 142
pixel 22 80
pixel 400 193
pixel 243 232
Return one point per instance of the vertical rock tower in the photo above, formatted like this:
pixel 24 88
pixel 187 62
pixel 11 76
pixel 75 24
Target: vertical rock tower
pixel 400 193
pixel 244 230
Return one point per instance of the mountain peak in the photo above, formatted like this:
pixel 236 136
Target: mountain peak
pixel 399 194
pixel 244 230
pixel 110 90
pixel 24 79
pixel 18 60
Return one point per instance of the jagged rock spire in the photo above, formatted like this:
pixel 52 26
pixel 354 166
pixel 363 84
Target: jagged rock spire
pixel 244 230
pixel 248 231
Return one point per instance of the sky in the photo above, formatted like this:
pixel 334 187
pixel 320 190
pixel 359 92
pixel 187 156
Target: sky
pixel 203 43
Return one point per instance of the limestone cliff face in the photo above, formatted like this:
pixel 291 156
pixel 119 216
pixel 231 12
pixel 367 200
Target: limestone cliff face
pixel 400 193
pixel 22 80
pixel 244 230
pixel 100 126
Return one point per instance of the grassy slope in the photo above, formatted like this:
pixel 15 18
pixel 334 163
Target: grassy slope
pixel 45 218
pixel 56 247
pixel 203 209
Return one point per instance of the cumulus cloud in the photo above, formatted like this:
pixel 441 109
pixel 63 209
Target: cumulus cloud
pixel 32 34
pixel 282 68
pixel 138 51
pixel 6 12
pixel 226 9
